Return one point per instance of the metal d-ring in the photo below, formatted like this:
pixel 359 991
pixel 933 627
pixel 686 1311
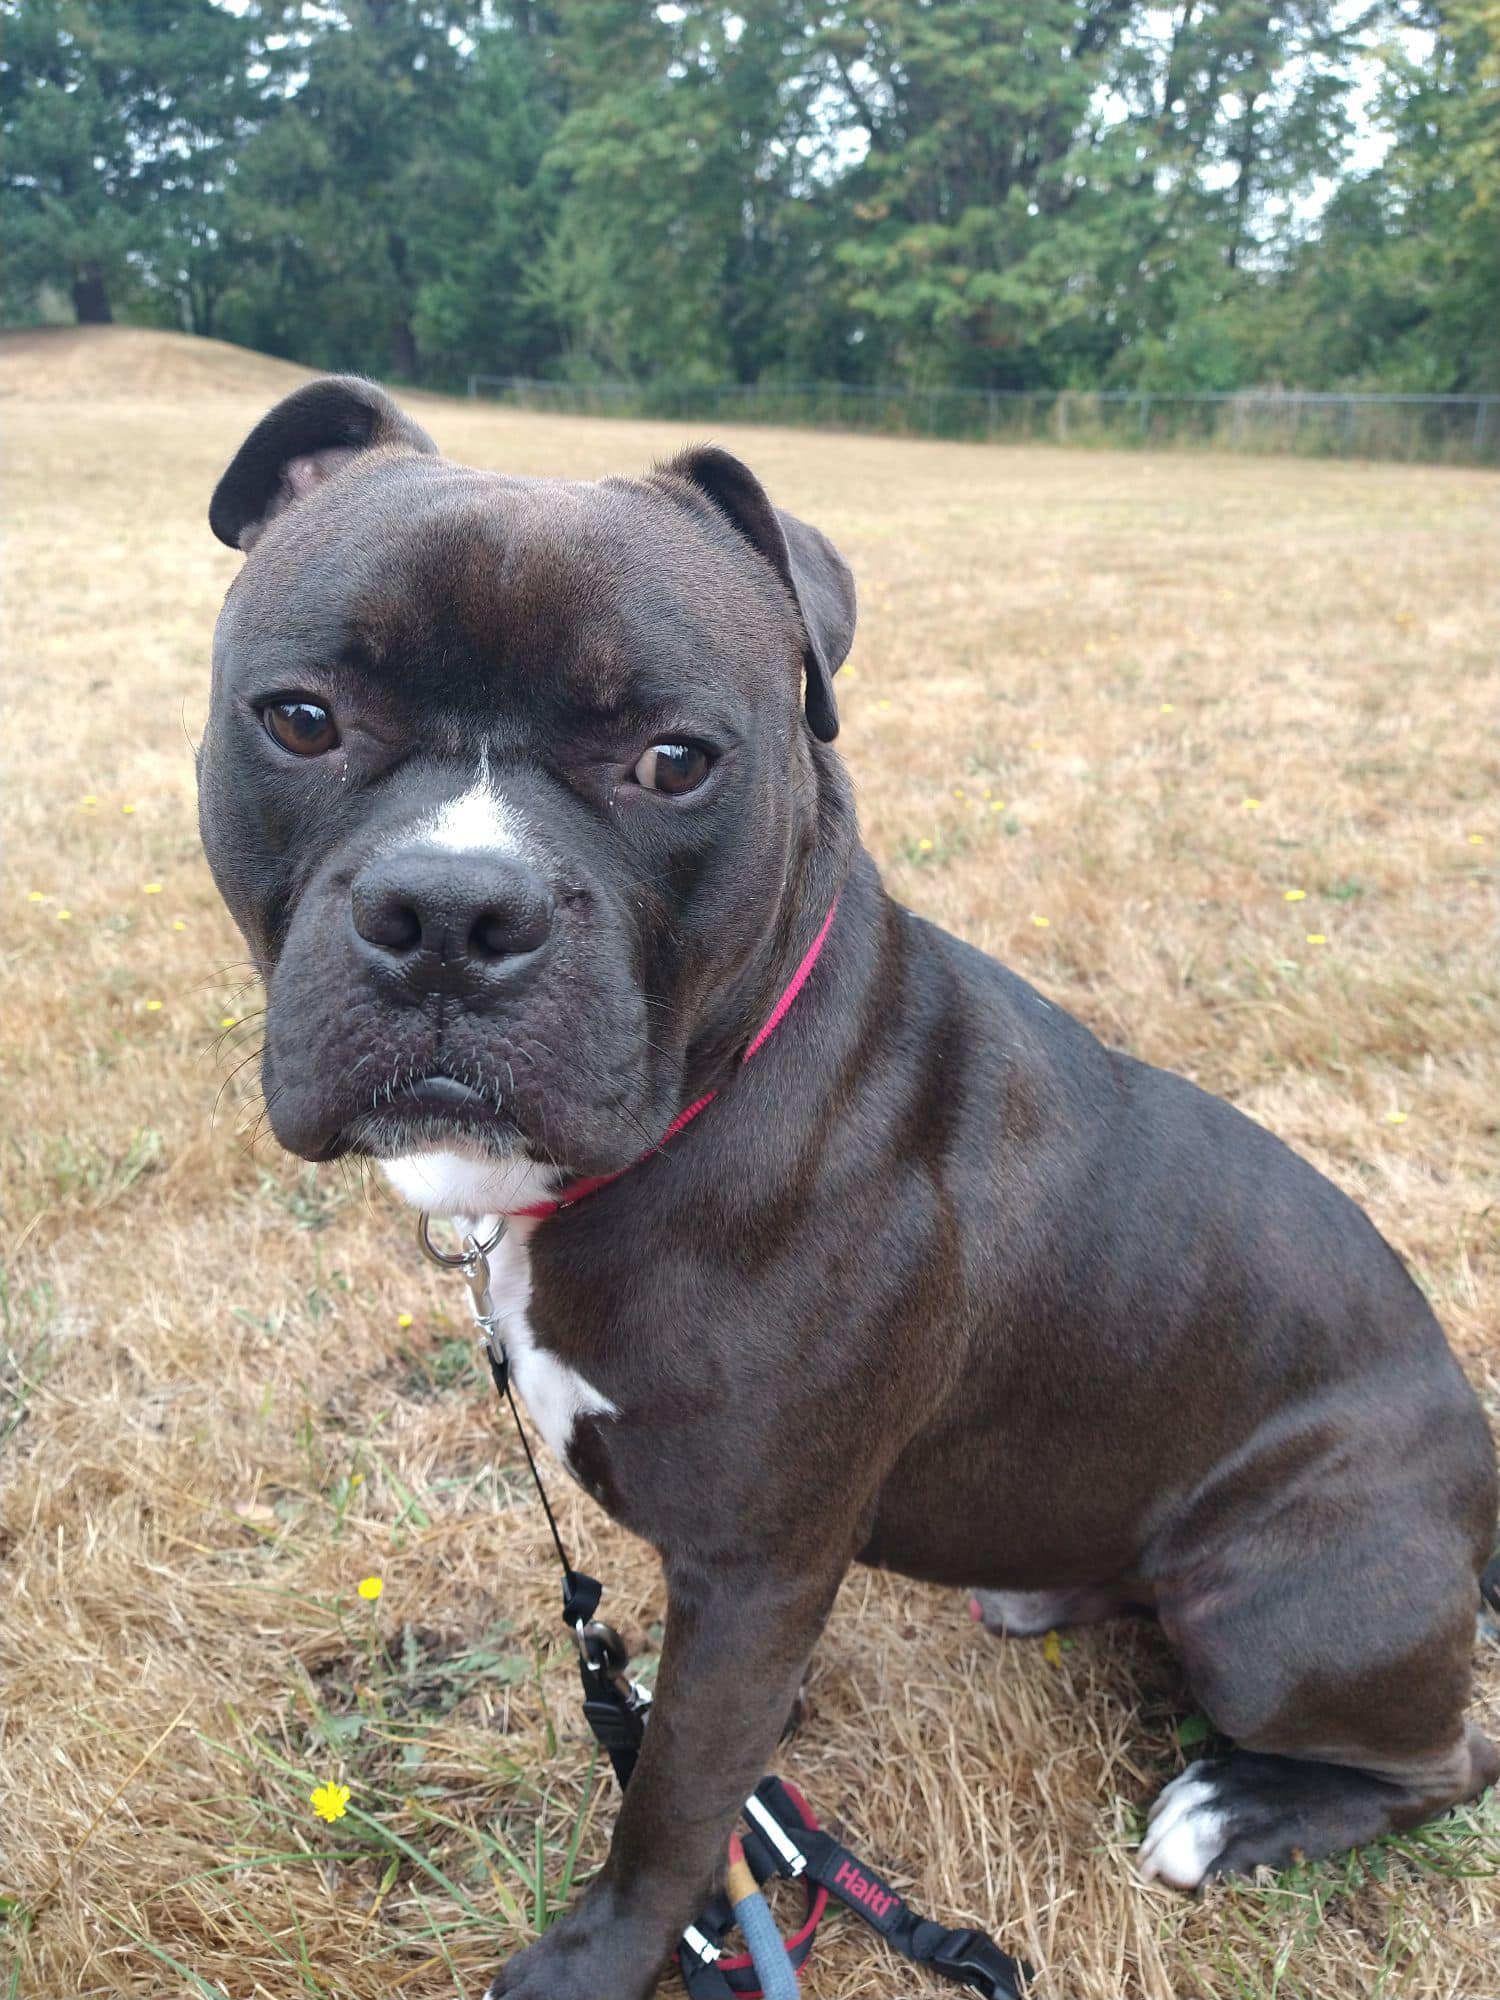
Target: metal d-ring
pixel 455 1260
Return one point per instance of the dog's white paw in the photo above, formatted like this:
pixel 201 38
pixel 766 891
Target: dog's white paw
pixel 1185 1831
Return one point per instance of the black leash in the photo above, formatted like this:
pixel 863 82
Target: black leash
pixel 576 1587
pixel 782 1837
pixel 614 1705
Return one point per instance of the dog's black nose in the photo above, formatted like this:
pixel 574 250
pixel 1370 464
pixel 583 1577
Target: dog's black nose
pixel 433 914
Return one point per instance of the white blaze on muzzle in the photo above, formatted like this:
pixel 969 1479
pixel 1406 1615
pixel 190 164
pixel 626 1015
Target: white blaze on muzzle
pixel 476 820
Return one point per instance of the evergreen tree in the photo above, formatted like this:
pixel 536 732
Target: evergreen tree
pixel 1400 288
pixel 116 118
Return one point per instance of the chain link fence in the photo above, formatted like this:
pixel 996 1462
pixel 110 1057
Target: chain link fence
pixel 1447 430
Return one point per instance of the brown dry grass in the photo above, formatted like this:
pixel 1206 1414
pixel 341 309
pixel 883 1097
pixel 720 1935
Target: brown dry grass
pixel 221 1422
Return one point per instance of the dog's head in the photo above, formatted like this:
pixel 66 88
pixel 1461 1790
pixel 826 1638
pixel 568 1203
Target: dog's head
pixel 513 788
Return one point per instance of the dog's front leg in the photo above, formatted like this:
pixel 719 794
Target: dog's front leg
pixel 737 1640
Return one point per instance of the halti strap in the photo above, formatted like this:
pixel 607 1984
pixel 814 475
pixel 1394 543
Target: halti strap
pixel 708 1971
pixel 968 1957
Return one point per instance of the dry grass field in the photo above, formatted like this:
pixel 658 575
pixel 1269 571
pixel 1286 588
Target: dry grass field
pixel 1205 747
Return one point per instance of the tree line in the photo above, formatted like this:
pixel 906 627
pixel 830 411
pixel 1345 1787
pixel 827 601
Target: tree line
pixel 987 193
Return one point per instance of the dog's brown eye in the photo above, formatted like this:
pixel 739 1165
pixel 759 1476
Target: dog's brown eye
pixel 303 727
pixel 673 768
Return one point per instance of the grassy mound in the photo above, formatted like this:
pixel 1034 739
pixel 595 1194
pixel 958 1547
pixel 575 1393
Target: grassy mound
pixel 61 364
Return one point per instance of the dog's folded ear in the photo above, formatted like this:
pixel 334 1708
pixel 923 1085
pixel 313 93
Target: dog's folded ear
pixel 309 438
pixel 806 561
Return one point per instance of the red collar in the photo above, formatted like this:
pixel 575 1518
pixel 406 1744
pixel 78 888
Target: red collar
pixel 566 1197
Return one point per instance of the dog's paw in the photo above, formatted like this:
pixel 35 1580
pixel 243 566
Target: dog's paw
pixel 1233 1814
pixel 591 1953
pixel 1186 1828
pixel 528 1977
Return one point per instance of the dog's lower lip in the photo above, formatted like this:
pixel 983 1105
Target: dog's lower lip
pixel 443 1093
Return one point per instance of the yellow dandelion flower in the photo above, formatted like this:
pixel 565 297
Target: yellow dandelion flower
pixel 850 673
pixel 997 805
pixel 88 799
pixel 1476 840
pixel 924 846
pixel 127 809
pixel 1052 1650
pixel 229 1020
pixel 35 896
pixel 329 1801
pixel 1035 743
pixel 883 704
pixel 1042 923
pixel 1294 895
pixel 404 1320
pixel 1251 805
pixel 153 1006
pixel 1316 937
pixel 370 1587
pixel 356 1479
pixel 65 916
pixel 151 888
pixel 178 924
pixel 1168 708
pixel 1395 1118
pixel 959 792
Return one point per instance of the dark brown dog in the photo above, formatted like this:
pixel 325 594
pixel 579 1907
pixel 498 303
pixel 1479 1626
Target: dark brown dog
pixel 512 790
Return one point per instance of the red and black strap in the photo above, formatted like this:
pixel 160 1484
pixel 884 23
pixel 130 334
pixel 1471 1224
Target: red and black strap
pixel 731 1976
pixel 968 1957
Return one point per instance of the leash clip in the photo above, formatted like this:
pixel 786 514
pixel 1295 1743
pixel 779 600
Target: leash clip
pixel 476 1272
pixel 472 1261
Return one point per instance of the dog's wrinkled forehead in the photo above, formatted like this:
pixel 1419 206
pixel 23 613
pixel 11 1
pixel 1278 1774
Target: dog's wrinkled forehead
pixel 372 553
pixel 481 594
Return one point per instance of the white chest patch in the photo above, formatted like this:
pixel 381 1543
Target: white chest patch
pixel 555 1394
pixel 458 1185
